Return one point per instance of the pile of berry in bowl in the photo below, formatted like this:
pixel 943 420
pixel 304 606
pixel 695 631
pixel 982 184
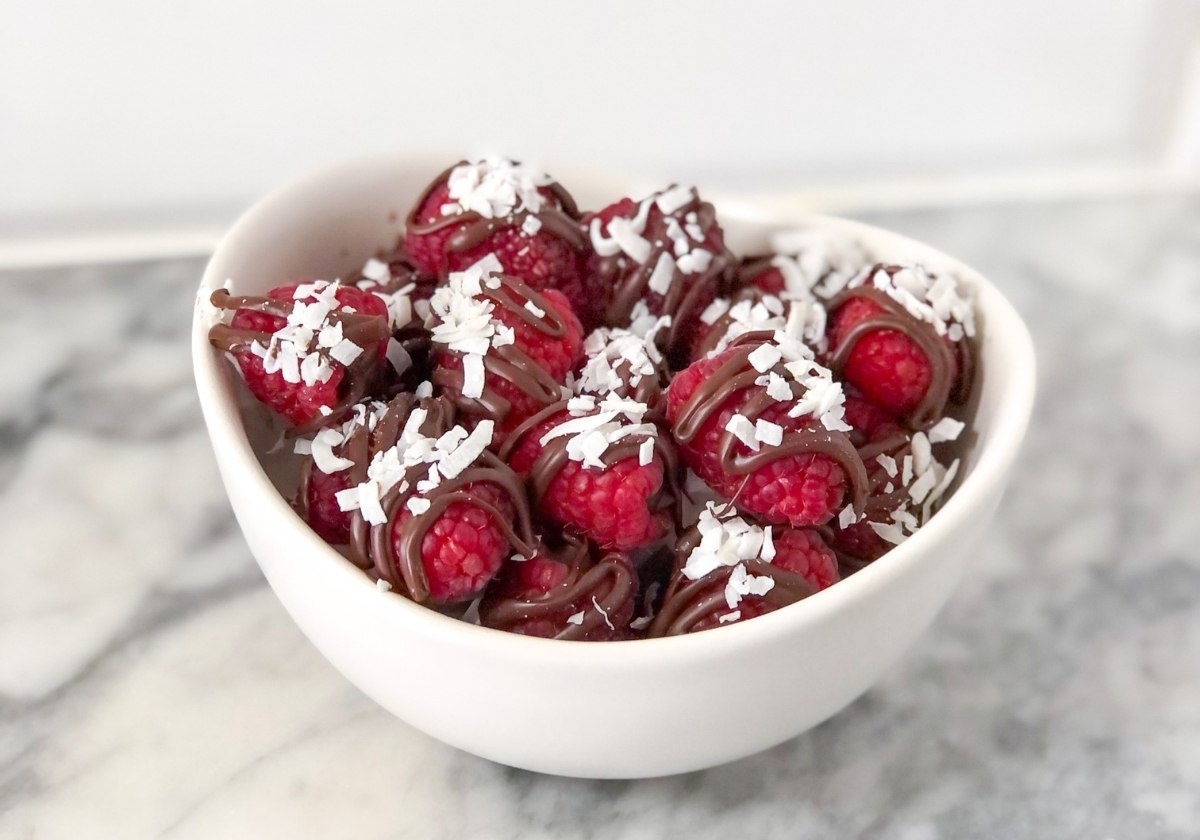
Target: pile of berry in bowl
pixel 464 421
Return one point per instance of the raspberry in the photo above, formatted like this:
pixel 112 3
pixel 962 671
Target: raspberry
pixel 857 543
pixel 319 505
pixel 870 422
pixel 803 552
pixel 623 363
pixel 885 365
pixel 748 311
pixel 799 551
pixel 802 489
pixel 615 507
pixel 509 368
pixel 563 594
pixel 297 402
pixel 464 547
pixel 699 261
pixel 769 280
pixel 803 564
pixel 557 355
pixel 549 258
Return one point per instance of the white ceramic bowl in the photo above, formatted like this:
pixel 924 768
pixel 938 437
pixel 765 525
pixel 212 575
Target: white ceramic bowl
pixel 604 710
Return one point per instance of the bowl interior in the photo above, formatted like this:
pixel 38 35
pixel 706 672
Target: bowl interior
pixel 326 225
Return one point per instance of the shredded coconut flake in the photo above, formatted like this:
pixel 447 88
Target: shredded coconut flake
pixel 646 452
pixel 764 357
pixel 663 274
pixel 674 199
pixel 816 262
pixel 934 299
pixel 714 311
pixel 946 429
pixel 768 545
pixel 741 428
pixel 416 505
pixel 695 261
pixel 726 540
pixel 742 583
pixel 376 270
pixel 474 376
pixel 888 531
pixel 495 188
pixel 920 488
pixel 847 517
pixel 768 433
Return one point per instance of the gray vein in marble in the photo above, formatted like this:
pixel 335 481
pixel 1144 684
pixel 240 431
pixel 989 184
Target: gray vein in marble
pixel 151 686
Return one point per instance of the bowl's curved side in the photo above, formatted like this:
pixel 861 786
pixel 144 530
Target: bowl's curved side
pixel 632 709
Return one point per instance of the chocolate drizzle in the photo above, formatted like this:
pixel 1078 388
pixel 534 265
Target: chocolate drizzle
pixel 603 591
pixel 691 605
pixel 364 330
pixel 719 329
pixel 880 502
pixel 560 218
pixel 952 367
pixel 509 362
pixel 553 458
pixel 737 374
pixel 687 294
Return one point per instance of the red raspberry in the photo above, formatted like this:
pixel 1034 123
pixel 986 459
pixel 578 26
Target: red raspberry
pixel 532 347
pixel 870 422
pixel 550 258
pixel 689 229
pixel 555 355
pixel 563 594
pixel 803 552
pixel 803 564
pixel 858 543
pixel 769 280
pixel 797 550
pixel 801 490
pixel 464 548
pixel 297 402
pixel 614 507
pixel 320 507
pixel 885 365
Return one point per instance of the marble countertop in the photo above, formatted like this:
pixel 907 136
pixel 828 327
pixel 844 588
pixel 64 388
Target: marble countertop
pixel 151 685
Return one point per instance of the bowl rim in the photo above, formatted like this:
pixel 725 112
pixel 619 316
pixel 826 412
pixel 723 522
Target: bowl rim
pixel 226 432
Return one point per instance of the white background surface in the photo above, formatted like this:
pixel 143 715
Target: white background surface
pixel 131 114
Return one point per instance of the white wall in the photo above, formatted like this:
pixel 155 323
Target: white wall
pixel 140 112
